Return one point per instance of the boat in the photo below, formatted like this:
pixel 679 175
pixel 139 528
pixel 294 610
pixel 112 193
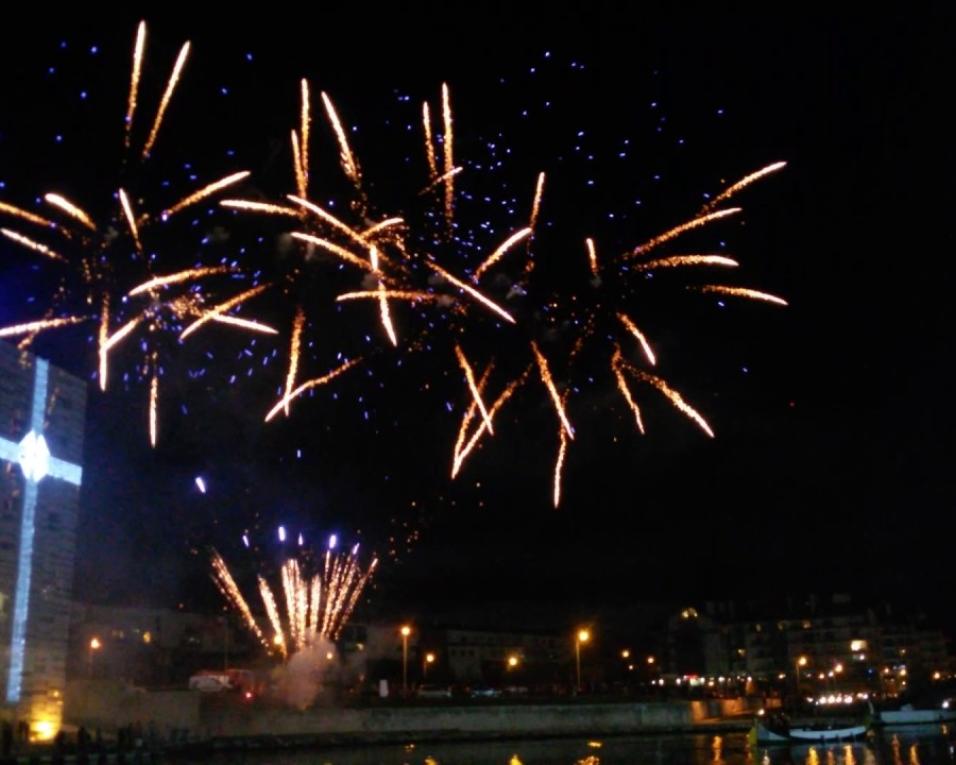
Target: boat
pixel 779 732
pixel 909 715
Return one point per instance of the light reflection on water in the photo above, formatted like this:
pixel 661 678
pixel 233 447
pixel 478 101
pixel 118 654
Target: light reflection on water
pixel 921 746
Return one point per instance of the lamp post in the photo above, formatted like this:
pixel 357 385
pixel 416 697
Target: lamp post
pixel 513 661
pixel 95 645
pixel 429 659
pixel 800 663
pixel 406 631
pixel 583 636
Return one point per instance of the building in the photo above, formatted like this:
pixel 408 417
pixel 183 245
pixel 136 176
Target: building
pixel 41 449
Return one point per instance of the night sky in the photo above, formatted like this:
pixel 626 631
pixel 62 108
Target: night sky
pixel 831 470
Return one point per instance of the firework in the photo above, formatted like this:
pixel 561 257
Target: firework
pixel 429 143
pixel 741 292
pixel 592 256
pixel 32 244
pixel 742 184
pixel 346 157
pixel 536 202
pixel 645 346
pixel 676 231
pixel 448 140
pixel 473 386
pixel 501 249
pixel 317 605
pixel 167 97
pixel 309 385
pixel 679 261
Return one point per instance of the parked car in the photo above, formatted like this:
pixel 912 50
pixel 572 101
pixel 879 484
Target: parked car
pixel 434 692
pixel 210 682
pixel 484 692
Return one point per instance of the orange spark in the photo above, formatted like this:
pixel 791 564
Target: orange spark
pixel 410 295
pixel 70 209
pixel 468 416
pixel 675 232
pixel 742 184
pixel 309 384
pixel 645 346
pixel 153 403
pixel 448 139
pixel 29 327
pixel 383 299
pixel 350 232
pixel 471 291
pixel 473 386
pixel 220 309
pixel 592 256
pixel 480 430
pixel 349 165
pixel 332 247
pixel 501 249
pixel 31 244
pixel 625 390
pixel 206 191
pixel 300 185
pixel 536 204
pixel 678 261
pixel 742 292
pixel 441 179
pixel 130 219
pixel 102 339
pixel 16 212
pixel 138 49
pixel 177 278
pixel 260 207
pixel 429 142
pixel 252 326
pixel 549 384
pixel 559 465
pixel 381 226
pixel 167 96
pixel 672 395
pixel 294 350
pixel 305 122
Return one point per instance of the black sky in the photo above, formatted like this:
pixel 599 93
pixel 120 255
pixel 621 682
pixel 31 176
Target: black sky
pixel 831 470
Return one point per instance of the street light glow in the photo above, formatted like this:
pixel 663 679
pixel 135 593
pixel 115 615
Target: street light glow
pixel 406 630
pixel 429 658
pixel 583 636
pixel 95 644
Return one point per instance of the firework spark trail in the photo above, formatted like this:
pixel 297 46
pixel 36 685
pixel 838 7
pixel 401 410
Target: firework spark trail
pixel 153 401
pixel 272 612
pixel 536 203
pixel 294 351
pixel 383 299
pixel 220 309
pixel 309 384
pixel 333 248
pixel 230 591
pixel 164 102
pixel 448 139
pixel 672 395
pixel 64 204
pixel 357 591
pixel 290 581
pixel 679 261
pixel 559 464
pixel 741 292
pixel 742 184
pixel 622 386
pixel 471 291
pixel 107 341
pixel 305 123
pixel 371 231
pixel 480 430
pixel 16 212
pixel 300 183
pixel 473 387
pixel 409 295
pixel 249 205
pixel 549 384
pixel 130 219
pixel 592 256
pixel 673 233
pixel 177 278
pixel 500 251
pixel 31 244
pixel 346 157
pixel 29 327
pixel 429 142
pixel 645 346
pixel 468 416
pixel 252 326
pixel 205 192
pixel 315 603
pixel 440 180
pixel 138 49
pixel 350 232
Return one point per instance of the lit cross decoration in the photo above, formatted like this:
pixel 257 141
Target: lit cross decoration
pixel 36 463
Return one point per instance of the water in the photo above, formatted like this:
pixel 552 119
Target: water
pixel 930 745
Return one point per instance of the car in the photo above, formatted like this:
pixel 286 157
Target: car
pixel 433 692
pixel 484 692
pixel 210 682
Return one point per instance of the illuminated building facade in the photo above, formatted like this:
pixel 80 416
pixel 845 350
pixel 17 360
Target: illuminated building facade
pixel 41 449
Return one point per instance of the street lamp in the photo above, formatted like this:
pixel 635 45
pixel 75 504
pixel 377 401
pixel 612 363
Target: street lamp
pixel 625 654
pixel 513 661
pixel 406 631
pixel 95 645
pixel 583 636
pixel 429 659
pixel 801 662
